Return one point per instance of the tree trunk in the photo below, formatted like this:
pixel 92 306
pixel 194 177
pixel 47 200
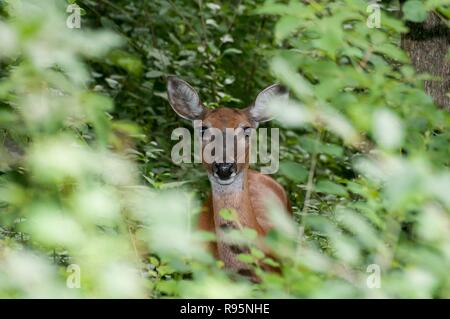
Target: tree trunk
pixel 427 45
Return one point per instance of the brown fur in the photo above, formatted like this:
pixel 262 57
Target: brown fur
pixel 260 187
pixel 249 203
pixel 249 191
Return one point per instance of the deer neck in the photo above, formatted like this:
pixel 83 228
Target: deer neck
pixel 234 196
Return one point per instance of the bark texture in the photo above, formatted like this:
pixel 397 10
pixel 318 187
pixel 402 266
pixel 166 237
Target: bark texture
pixel 427 45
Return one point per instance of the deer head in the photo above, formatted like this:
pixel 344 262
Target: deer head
pixel 225 124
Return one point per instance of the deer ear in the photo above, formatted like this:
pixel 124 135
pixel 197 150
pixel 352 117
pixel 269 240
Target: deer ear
pixel 184 99
pixel 258 111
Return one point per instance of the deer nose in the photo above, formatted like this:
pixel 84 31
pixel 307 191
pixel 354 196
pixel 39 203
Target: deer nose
pixel 224 170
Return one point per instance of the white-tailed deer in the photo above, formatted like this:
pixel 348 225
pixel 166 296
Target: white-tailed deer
pixel 234 186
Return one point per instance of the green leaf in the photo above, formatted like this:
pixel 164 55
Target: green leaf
pixel 206 236
pixel 231 51
pixel 271 262
pixel 313 145
pixel 258 254
pixel 331 149
pixel 283 70
pixel 228 214
pixel 246 258
pixel 324 186
pixel 153 74
pixel 387 129
pixel 250 233
pixel 154 261
pixel 294 171
pixel 414 10
pixel 168 287
pixel 126 61
pixel 286 26
pixel 165 270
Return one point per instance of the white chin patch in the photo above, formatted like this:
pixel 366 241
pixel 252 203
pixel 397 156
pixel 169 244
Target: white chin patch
pixel 225 181
pixel 231 185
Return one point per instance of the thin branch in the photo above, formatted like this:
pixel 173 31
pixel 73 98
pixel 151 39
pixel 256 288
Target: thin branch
pixel 251 75
pixel 366 58
pixel 310 183
pixel 205 43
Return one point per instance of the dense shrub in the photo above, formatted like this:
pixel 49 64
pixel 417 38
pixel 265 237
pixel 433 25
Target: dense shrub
pixel 87 183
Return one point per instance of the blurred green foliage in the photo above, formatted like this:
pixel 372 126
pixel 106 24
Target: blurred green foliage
pixel 86 177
